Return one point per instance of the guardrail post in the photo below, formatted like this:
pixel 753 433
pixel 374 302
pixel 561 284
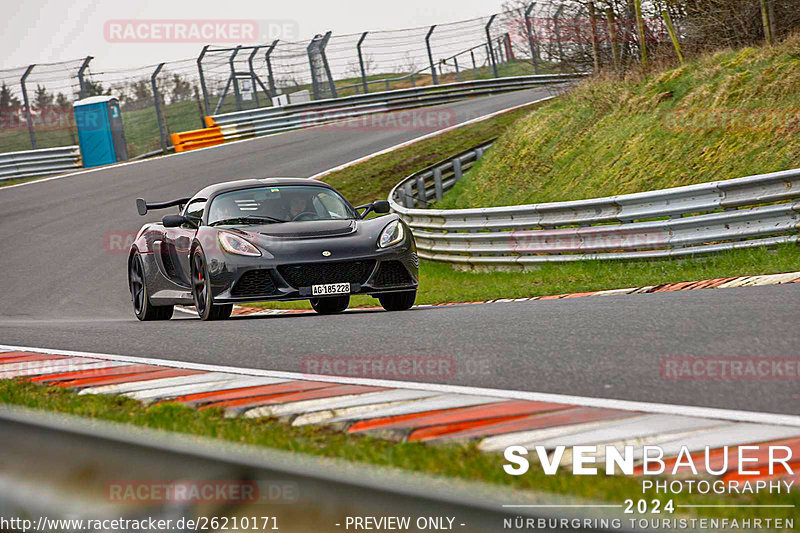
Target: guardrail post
pixel 422 195
pixel 203 78
pixel 457 168
pixel 408 201
pixel 235 79
pixel 81 80
pixel 361 62
pixel 430 55
pixel 157 101
pixel 437 182
pixel 531 43
pixel 271 77
pixel 490 46
pixel 28 117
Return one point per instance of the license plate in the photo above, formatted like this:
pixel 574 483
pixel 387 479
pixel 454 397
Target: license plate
pixel 331 288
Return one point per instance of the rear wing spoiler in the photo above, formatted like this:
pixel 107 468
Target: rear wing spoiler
pixel 142 207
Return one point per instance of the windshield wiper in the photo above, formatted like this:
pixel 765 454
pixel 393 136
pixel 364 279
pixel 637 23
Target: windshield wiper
pixel 250 219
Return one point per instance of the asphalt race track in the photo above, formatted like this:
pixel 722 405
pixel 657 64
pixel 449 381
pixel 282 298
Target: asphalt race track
pixel 63 288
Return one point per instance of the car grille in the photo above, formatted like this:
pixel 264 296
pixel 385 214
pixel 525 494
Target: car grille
pixel 254 283
pixel 391 274
pixel 305 275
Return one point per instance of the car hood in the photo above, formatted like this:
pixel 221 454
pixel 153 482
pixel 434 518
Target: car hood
pixel 307 230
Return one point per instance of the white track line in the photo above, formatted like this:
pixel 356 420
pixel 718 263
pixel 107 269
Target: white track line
pixel 585 401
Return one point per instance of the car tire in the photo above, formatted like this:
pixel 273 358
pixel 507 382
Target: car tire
pixel 331 305
pixel 142 308
pixel 398 301
pixel 201 291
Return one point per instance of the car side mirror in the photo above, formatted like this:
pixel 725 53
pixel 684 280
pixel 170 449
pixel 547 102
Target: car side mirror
pixel 381 207
pixel 174 221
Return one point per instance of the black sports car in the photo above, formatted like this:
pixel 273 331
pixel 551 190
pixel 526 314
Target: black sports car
pixel 269 239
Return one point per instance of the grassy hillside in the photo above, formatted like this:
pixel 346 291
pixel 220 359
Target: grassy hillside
pixel 730 114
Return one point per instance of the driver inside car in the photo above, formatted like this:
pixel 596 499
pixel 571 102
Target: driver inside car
pixel 299 205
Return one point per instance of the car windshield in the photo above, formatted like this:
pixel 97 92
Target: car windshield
pixel 271 205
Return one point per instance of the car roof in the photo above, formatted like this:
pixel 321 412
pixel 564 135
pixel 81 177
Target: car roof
pixel 217 188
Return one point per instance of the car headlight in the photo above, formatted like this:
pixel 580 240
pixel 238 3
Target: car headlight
pixel 392 234
pixel 233 244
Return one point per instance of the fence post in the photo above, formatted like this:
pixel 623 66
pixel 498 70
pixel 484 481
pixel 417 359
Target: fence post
pixel 81 80
pixel 773 20
pixel 430 55
pixel 323 45
pixel 361 62
pixel 672 34
pixel 612 34
pixel 203 77
pixel 765 21
pixel 474 63
pixel 529 31
pixel 235 79
pixel 157 101
pixel 253 74
pixel 271 80
pixel 595 44
pixel 489 44
pixel 557 31
pixel 640 30
pixel 458 71
pixel 28 117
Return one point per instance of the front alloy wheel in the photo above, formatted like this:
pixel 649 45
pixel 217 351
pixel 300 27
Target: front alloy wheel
pixel 201 291
pixel 144 310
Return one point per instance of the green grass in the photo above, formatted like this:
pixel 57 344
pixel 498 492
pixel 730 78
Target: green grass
pixel 440 283
pixel 374 178
pixel 724 115
pixel 463 461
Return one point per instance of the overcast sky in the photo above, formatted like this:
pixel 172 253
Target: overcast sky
pixel 43 31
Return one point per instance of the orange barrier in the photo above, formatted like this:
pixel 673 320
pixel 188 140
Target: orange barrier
pixel 210 122
pixel 192 140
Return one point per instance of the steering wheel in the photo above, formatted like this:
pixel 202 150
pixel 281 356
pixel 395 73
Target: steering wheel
pixel 306 215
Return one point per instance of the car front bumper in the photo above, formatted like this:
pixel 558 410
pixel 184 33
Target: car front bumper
pixel 385 271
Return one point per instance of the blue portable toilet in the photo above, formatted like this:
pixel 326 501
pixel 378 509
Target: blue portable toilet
pixel 100 134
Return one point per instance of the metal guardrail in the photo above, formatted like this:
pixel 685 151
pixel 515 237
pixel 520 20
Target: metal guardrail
pixel 721 215
pixel 32 163
pixel 269 120
pixel 65 467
